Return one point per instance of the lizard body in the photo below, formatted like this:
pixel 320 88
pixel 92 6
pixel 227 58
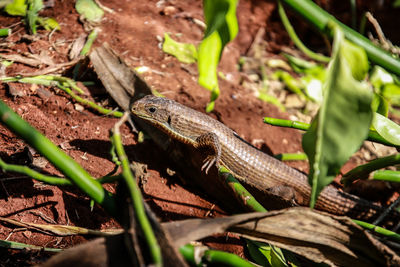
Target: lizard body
pixel 246 163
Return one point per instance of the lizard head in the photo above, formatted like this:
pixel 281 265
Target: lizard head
pixel 153 109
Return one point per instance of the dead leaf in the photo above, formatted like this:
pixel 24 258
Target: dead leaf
pixel 320 237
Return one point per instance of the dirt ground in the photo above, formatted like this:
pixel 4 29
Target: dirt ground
pixel 134 30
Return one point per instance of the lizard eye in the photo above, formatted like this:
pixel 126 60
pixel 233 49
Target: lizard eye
pixel 152 109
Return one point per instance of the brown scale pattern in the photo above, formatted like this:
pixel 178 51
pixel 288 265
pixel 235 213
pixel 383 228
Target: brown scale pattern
pixel 248 164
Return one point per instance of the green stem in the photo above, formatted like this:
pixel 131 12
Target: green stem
pixel 241 193
pixel 211 257
pixel 5 32
pixel 52 180
pixel 319 18
pixel 47 80
pixel 379 230
pixel 291 156
pixel 296 40
pixel 58 158
pixel 386 175
pixel 94 106
pixel 89 42
pixel 136 195
pixel 373 136
pixel 363 171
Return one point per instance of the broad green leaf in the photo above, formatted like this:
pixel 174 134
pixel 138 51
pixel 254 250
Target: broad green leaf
pixel 185 53
pixel 356 58
pixel 313 88
pixel 16 8
pixel 343 120
pixel 387 128
pixel 89 10
pixel 222 27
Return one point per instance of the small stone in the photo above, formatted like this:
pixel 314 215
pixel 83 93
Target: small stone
pixel 169 10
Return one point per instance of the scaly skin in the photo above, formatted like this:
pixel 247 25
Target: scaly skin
pixel 246 163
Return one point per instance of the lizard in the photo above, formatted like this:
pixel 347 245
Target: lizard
pixel 248 164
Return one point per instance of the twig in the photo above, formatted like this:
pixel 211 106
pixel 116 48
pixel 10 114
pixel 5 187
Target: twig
pixel 378 29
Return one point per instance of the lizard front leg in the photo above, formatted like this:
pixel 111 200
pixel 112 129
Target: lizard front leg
pixel 209 141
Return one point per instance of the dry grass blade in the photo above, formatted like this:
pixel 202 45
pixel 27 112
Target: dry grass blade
pixel 317 236
pixel 60 230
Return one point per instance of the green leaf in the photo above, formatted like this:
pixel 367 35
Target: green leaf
pixel 313 88
pixel 299 65
pixel 380 77
pixel 291 83
pixel 380 105
pixel 48 23
pixel 264 96
pixel 356 58
pixel 222 27
pixel 16 8
pixel 387 128
pixel 267 255
pixel 343 120
pixel 32 15
pixel 89 10
pixel 392 93
pixel 185 53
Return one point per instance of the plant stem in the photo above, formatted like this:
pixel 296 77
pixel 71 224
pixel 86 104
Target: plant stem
pixel 377 229
pixel 319 18
pixel 386 175
pixel 296 40
pixel 241 193
pixel 5 32
pixel 373 136
pixel 211 257
pixel 70 168
pixel 91 104
pixel 363 171
pixel 136 195
pixel 291 156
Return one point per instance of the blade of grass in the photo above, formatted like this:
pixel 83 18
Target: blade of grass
pixel 17 245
